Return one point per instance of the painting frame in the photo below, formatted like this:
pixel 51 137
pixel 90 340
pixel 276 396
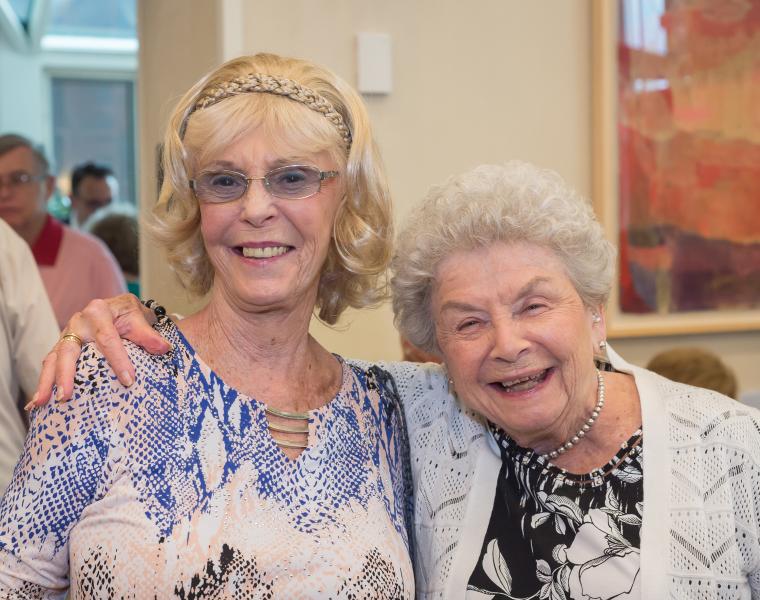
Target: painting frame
pixel 605 193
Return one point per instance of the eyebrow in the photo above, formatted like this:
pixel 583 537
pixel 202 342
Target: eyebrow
pixel 280 162
pixel 526 290
pixel 530 287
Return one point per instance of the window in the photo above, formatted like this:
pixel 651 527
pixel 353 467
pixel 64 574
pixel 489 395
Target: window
pixel 93 18
pixel 23 10
pixel 94 120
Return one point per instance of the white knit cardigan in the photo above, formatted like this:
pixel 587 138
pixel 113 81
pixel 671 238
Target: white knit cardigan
pixel 699 535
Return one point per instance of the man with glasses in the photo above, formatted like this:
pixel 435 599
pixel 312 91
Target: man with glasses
pixel 75 267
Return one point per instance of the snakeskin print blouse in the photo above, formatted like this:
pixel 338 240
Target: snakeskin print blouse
pixel 174 488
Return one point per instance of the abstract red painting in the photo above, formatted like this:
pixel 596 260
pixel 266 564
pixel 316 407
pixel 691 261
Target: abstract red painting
pixel 686 144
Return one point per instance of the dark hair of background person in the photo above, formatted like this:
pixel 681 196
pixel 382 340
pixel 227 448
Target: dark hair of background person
pixel 88 169
pixel 118 230
pixel 697 367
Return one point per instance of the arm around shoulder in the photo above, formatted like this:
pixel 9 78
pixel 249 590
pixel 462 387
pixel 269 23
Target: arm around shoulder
pixel 65 467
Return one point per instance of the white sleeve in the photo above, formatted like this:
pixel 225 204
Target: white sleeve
pixel 32 328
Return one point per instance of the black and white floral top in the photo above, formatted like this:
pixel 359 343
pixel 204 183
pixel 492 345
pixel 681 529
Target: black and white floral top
pixel 560 536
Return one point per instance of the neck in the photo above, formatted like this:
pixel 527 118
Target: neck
pixel 566 424
pixel 620 418
pixel 268 355
pixel 31 230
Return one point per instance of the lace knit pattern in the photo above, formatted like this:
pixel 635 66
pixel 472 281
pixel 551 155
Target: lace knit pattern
pixel 712 509
pixel 445 441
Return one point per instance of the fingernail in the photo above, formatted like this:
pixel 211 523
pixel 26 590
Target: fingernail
pixel 58 394
pixel 30 404
pixel 126 378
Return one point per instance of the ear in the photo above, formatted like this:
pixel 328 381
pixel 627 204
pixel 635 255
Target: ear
pixel 598 325
pixel 49 186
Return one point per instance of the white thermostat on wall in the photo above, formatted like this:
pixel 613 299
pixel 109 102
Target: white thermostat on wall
pixel 373 59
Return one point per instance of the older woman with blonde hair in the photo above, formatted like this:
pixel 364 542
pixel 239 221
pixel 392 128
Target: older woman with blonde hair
pixel 248 461
pixel 544 465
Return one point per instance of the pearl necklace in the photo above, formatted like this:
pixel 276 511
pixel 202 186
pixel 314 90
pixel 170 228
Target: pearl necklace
pixel 586 425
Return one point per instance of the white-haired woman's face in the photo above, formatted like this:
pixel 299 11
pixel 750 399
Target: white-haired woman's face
pixel 267 252
pixel 517 339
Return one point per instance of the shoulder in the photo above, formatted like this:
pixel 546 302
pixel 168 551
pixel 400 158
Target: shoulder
pixel 12 243
pixel 691 414
pixel 700 416
pixel 436 419
pixel 96 383
pixel 708 415
pixel 419 386
pixel 84 245
pixel 16 256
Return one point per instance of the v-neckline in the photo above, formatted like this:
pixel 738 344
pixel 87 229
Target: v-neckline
pixel 259 407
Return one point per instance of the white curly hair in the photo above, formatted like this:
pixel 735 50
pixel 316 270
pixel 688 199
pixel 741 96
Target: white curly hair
pixel 513 202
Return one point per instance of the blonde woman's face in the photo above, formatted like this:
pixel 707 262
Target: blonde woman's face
pixel 268 252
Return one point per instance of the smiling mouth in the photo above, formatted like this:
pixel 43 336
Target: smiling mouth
pixel 266 252
pixel 522 384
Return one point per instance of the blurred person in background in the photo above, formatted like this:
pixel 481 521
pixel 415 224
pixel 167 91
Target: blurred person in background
pixel 412 353
pixel 75 267
pixel 698 367
pixel 27 328
pixel 93 187
pixel 116 225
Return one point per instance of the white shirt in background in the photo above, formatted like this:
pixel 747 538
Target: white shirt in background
pixel 27 332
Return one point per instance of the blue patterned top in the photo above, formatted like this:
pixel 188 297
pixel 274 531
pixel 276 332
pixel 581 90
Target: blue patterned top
pixel 174 487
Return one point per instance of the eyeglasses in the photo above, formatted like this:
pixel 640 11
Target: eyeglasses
pixel 293 182
pixel 19 178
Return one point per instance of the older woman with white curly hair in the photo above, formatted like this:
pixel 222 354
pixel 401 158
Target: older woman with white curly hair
pixel 534 471
pixel 530 475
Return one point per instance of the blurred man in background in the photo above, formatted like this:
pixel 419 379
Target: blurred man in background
pixel 75 267
pixel 93 187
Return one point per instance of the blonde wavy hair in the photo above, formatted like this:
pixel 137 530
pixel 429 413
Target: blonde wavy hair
pixel 354 273
pixel 514 202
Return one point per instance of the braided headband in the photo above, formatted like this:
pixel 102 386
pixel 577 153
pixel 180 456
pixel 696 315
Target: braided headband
pixel 279 86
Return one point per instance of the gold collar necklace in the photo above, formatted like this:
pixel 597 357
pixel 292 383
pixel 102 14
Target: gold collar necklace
pixel 303 426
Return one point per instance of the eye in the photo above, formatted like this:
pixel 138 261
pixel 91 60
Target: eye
pixel 220 186
pixel 534 307
pixel 290 177
pixel 20 177
pixel 223 180
pixel 467 324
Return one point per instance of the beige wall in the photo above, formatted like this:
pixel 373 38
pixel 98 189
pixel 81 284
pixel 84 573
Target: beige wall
pixel 178 43
pixel 473 82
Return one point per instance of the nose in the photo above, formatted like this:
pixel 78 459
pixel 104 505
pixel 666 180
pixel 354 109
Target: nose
pixel 258 205
pixel 509 340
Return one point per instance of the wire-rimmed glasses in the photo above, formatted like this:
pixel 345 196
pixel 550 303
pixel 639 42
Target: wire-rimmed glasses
pixel 292 182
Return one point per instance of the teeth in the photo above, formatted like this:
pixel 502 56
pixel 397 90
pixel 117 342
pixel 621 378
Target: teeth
pixel 267 252
pixel 523 383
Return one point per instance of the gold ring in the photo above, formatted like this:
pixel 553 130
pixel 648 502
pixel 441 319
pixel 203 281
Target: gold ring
pixel 72 337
